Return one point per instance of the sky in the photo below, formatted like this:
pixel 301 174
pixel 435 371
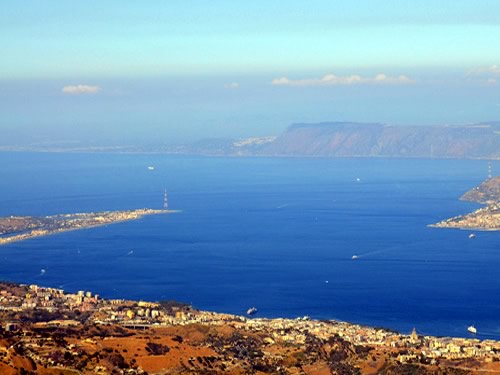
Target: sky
pixel 125 71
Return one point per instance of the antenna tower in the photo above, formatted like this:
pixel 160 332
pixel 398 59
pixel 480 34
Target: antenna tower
pixel 165 200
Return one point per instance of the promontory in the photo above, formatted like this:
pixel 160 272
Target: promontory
pixel 486 218
pixel 18 228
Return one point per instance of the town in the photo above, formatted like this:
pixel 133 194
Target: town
pixel 486 218
pixel 19 228
pixel 32 316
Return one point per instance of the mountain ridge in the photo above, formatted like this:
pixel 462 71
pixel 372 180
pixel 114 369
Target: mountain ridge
pixel 330 139
pixel 344 139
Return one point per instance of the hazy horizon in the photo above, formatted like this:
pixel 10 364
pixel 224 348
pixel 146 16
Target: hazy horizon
pixel 130 73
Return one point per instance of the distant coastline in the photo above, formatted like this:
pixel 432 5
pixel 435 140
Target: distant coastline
pixel 139 151
pixel 479 141
pixel 20 228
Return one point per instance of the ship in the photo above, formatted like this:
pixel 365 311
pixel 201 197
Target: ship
pixel 354 257
pixel 151 168
pixel 472 329
pixel 251 310
pixel 472 236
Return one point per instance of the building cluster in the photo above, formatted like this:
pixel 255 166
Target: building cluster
pixel 87 220
pixel 416 347
pixel 62 223
pixel 49 299
pixel 486 218
pixel 413 347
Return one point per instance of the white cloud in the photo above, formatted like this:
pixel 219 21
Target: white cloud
pixel 486 70
pixel 80 89
pixel 495 69
pixel 334 80
pixel 232 85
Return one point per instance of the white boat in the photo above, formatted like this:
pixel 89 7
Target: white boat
pixel 251 310
pixel 151 168
pixel 354 257
pixel 472 236
pixel 472 329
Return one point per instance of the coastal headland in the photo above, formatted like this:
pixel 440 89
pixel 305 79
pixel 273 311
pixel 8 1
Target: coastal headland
pixel 19 228
pixel 485 218
pixel 48 331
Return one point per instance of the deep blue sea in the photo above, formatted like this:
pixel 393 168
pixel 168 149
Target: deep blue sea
pixel 275 233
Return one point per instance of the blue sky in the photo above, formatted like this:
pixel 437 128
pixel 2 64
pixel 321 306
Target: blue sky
pixel 117 71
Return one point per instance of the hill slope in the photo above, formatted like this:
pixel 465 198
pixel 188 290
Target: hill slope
pixel 488 192
pixel 344 139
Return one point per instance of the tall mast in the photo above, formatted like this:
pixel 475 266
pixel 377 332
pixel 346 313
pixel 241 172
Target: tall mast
pixel 490 175
pixel 165 200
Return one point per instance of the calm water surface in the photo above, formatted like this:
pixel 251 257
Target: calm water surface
pixel 277 233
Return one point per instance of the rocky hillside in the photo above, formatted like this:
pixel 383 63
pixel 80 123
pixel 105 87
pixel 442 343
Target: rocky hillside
pixel 342 139
pixel 488 192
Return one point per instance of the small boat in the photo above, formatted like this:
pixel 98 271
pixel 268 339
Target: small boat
pixel 472 236
pixel 354 257
pixel 472 329
pixel 251 310
pixel 151 168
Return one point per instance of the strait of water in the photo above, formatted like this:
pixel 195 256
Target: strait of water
pixel 275 233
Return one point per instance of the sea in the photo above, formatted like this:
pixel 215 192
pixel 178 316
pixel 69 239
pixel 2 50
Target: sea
pixel 275 233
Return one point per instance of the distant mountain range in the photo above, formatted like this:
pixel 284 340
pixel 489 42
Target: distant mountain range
pixel 355 139
pixel 339 139
pixel 349 139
